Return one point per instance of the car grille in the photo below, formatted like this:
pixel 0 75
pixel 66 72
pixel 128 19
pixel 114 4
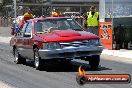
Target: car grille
pixel 75 44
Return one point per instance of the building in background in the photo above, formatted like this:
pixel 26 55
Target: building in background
pixel 116 23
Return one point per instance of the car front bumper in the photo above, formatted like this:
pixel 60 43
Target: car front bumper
pixel 70 52
pixel 88 51
pixel 67 53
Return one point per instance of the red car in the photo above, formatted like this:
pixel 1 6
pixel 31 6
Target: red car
pixel 55 38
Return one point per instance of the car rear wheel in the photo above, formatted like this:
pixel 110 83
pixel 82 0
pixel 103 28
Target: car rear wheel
pixel 38 63
pixel 18 58
pixel 94 62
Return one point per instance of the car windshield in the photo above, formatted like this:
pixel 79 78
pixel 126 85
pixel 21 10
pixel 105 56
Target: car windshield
pixel 56 24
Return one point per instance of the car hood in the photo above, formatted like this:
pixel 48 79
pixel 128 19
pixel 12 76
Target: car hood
pixel 66 36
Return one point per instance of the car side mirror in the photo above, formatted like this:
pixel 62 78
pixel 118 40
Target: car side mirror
pixel 27 34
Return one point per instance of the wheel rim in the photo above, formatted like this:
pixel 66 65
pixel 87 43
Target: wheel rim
pixel 36 60
pixel 16 56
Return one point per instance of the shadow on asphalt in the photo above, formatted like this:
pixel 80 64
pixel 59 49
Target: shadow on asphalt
pixel 66 67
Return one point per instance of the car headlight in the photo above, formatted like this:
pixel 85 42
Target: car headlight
pixel 95 42
pixel 51 45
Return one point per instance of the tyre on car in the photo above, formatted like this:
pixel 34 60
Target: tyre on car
pixel 18 58
pixel 38 62
pixel 94 62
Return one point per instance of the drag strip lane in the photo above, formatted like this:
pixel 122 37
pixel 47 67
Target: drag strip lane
pixel 54 75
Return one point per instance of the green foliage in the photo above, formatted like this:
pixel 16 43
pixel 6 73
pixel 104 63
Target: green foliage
pixel 7 2
pixel 4 4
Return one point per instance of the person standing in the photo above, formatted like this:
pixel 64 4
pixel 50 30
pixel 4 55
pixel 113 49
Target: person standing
pixel 119 37
pixel 93 20
pixel 55 13
pixel 27 16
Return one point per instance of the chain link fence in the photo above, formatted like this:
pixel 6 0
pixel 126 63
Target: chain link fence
pixel 5 21
pixel 40 11
pixel 75 12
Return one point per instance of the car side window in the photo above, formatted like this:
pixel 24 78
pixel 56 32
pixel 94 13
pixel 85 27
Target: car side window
pixel 23 27
pixel 38 27
pixel 28 28
pixel 21 30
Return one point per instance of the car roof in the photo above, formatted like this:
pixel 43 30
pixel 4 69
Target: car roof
pixel 47 18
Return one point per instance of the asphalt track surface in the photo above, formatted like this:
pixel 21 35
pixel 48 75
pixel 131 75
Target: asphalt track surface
pixel 56 75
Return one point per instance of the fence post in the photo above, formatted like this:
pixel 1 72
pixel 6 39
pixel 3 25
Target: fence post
pixel 0 21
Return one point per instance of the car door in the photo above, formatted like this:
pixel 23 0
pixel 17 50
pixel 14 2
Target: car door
pixel 28 41
pixel 19 39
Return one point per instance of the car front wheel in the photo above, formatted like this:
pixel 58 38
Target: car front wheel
pixel 37 60
pixel 94 62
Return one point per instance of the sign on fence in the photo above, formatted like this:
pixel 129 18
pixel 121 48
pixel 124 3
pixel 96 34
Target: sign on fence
pixel 105 34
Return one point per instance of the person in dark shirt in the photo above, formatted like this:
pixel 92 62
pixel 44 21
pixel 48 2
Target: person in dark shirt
pixel 119 36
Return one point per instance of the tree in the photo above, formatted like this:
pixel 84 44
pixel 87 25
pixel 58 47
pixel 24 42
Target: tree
pixel 3 6
pixel 7 2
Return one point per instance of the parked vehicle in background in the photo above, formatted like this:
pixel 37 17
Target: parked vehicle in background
pixel 57 39
pixel 75 15
pixel 72 14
